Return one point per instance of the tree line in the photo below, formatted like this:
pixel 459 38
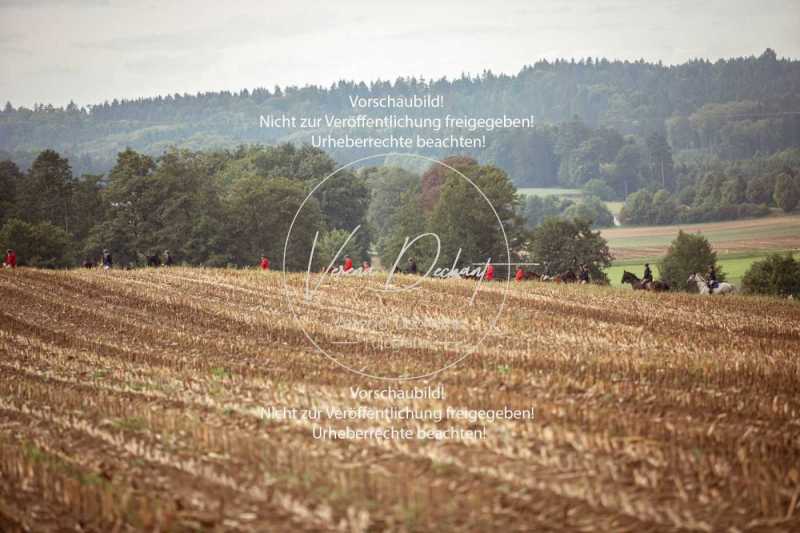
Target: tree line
pixel 212 208
pixel 733 109
pixel 231 207
pixel 715 190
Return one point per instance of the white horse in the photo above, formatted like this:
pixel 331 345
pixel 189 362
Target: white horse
pixel 702 286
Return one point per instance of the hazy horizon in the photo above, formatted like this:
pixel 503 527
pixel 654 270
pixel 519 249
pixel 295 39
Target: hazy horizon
pixel 90 51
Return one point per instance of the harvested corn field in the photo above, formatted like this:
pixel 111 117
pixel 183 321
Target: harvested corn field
pixel 147 400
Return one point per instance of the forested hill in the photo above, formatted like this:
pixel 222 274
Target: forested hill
pixel 732 109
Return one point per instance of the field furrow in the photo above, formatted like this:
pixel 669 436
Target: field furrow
pixel 652 412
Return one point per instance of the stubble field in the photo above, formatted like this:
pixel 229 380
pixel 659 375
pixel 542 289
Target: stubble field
pixel 134 400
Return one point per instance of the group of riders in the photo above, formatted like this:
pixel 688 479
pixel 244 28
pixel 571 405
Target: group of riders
pixel 582 276
pixel 486 274
pixel 107 261
pixel 646 282
pixel 710 282
pixel 711 276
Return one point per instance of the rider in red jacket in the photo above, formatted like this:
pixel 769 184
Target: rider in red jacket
pixel 11 258
pixel 520 275
pixel 490 272
pixel 264 263
pixel 348 263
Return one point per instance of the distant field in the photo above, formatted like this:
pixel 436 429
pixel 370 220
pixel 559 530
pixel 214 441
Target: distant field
pixel 738 243
pixel 780 232
pixel 733 265
pixel 547 191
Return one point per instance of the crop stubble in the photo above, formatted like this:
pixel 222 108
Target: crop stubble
pixel 135 400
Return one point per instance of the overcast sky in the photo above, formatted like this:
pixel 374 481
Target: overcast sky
pixel 52 51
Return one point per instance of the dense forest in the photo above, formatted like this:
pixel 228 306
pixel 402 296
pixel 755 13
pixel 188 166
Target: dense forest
pixel 699 141
pixel 729 109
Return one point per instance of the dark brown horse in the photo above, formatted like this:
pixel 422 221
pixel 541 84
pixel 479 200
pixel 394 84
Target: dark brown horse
pixel 566 277
pixel 530 276
pixel 635 282
pixel 642 285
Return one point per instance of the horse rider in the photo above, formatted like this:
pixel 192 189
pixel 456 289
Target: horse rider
pixel 168 261
pixel 489 272
pixel 583 274
pixel 711 279
pixel 412 266
pixel 10 260
pixel 520 274
pixel 648 274
pixel 108 262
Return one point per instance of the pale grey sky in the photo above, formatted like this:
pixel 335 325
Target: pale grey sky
pixel 52 51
